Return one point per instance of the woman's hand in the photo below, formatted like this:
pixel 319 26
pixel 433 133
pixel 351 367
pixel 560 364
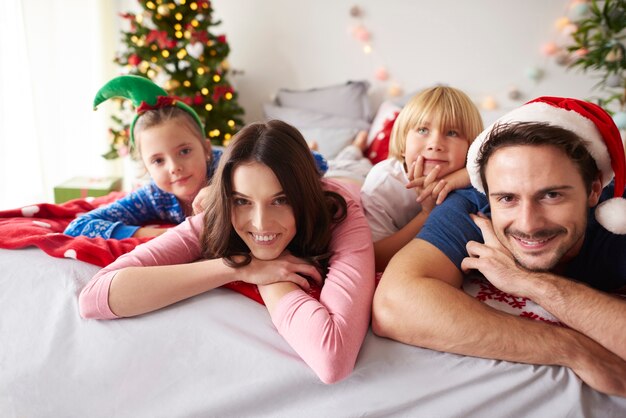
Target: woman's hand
pixel 286 268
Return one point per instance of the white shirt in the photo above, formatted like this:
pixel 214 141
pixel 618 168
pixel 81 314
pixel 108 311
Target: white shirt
pixel 388 204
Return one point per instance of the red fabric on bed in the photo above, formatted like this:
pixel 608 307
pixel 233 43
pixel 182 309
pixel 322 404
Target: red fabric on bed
pixel 42 225
pixel 378 150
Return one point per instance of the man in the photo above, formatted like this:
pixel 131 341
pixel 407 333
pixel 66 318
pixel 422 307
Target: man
pixel 543 167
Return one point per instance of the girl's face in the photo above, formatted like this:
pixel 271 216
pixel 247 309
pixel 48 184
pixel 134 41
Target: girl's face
pixel 445 147
pixel 175 158
pixel 261 215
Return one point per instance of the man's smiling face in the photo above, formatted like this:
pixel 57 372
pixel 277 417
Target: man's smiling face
pixel 539 204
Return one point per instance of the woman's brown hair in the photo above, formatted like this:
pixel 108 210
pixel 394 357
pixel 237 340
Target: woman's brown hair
pixel 282 148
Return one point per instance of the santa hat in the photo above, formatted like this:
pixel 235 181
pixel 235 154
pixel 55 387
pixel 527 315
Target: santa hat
pixel 144 94
pixel 602 139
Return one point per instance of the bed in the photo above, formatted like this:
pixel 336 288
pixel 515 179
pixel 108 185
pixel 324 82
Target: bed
pixel 218 355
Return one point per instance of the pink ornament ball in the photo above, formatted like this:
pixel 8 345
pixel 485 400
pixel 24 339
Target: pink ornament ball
pixel 381 74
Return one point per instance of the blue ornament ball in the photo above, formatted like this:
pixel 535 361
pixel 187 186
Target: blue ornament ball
pixel 620 120
pixel 579 10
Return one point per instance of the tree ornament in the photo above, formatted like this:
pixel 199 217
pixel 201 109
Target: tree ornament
pixel 394 90
pixel 549 49
pixel 361 33
pixel 569 29
pixel 514 93
pixel 195 50
pixel 561 23
pixel 578 10
pixel 614 80
pixel 620 120
pixel 535 74
pixel 163 10
pixel 355 11
pixel 381 74
pixel 562 58
pixel 614 55
pixel 489 103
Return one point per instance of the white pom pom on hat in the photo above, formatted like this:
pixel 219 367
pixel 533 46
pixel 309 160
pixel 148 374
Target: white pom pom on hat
pixel 591 123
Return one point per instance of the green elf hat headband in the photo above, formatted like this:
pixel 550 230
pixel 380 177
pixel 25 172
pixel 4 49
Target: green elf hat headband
pixel 144 94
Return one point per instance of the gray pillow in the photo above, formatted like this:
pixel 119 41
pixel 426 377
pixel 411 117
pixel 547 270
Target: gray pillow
pixel 301 118
pixel 347 100
pixel 329 140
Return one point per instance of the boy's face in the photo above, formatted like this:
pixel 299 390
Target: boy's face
pixel 442 146
pixel 175 158
pixel 539 204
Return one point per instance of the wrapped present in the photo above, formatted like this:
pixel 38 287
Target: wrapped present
pixel 81 187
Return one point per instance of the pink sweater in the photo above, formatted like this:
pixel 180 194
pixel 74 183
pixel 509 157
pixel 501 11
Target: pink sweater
pixel 327 334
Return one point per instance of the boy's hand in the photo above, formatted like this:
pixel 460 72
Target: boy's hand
pixel 429 188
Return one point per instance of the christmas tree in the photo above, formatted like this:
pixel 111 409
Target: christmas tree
pixel 170 43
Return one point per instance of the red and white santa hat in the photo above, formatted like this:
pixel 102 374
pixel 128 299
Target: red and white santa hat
pixel 591 123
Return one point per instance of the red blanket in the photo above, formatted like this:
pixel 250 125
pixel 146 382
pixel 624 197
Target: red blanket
pixel 42 225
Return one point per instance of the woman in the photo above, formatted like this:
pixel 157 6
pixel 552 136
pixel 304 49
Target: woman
pixel 271 222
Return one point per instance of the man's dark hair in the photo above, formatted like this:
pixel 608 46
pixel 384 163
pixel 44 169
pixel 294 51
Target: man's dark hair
pixel 538 134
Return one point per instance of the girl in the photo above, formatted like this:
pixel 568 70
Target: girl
pixel 169 137
pixel 427 153
pixel 273 222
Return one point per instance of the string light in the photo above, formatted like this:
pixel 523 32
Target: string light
pixel 216 78
pixel 208 107
pixel 228 96
pixel 204 91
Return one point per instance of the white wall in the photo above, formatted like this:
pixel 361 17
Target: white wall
pixel 53 58
pixel 481 46
pixel 51 70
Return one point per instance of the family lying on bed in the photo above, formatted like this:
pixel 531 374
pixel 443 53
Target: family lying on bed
pixel 272 221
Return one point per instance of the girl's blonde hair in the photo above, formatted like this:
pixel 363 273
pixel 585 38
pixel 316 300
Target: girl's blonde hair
pixel 455 108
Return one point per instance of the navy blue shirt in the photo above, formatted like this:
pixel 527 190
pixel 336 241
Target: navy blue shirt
pixel 601 262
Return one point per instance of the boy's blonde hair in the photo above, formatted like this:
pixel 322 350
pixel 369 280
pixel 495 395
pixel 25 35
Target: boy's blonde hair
pixel 456 110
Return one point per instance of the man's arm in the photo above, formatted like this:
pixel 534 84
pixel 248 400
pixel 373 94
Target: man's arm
pixel 419 302
pixel 595 314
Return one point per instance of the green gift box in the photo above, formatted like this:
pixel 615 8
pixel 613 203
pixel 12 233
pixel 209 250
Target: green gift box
pixel 81 187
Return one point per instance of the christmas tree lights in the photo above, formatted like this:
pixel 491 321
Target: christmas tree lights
pixel 170 42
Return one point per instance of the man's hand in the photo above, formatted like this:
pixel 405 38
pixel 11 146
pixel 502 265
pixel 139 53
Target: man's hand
pixel 201 201
pixel 495 262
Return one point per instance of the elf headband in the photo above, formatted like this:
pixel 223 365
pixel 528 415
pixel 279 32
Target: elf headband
pixel 144 94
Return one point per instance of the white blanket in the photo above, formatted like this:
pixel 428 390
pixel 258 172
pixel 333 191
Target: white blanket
pixel 218 355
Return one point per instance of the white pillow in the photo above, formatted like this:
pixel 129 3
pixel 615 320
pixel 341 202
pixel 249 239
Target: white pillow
pixel 347 100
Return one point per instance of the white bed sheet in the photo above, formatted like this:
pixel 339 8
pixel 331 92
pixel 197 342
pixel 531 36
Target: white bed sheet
pixel 218 355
